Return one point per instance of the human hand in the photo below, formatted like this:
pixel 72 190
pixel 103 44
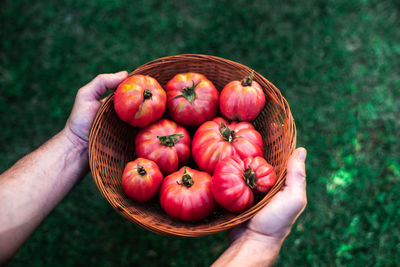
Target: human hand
pixel 275 220
pixel 87 103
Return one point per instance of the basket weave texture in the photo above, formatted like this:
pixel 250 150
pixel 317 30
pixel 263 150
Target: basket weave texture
pixel 112 145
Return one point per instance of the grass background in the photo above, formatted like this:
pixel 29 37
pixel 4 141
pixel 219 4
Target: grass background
pixel 335 61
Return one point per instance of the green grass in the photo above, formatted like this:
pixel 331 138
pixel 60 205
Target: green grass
pixel 336 62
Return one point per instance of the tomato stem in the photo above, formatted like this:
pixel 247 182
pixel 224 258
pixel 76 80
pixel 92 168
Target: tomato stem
pixel 189 93
pixel 170 140
pixel 250 177
pixel 141 170
pixel 147 94
pixel 187 180
pixel 227 134
pixel 248 80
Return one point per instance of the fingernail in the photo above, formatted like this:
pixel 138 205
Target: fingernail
pixel 302 154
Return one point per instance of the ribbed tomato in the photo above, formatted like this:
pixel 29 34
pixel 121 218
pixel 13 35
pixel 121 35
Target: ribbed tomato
pixel 191 99
pixel 164 142
pixel 141 179
pixel 186 195
pixel 234 181
pixel 217 139
pixel 140 100
pixel 242 100
pixel 261 172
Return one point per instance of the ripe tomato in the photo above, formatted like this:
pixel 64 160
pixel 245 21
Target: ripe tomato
pixel 234 181
pixel 243 100
pixel 261 172
pixel 141 179
pixel 164 142
pixel 192 99
pixel 217 139
pixel 140 100
pixel 186 195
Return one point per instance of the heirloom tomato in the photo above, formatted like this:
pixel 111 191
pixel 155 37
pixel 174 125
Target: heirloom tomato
pixel 217 139
pixel 164 142
pixel 261 172
pixel 186 195
pixel 140 100
pixel 242 100
pixel 191 99
pixel 234 181
pixel 141 179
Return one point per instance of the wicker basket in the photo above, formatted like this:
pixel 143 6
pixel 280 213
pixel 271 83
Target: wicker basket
pixel 112 145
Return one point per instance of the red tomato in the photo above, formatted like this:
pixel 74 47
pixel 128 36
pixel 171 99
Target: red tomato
pixel 261 171
pixel 186 195
pixel 216 139
pixel 234 181
pixel 165 142
pixel 192 99
pixel 243 100
pixel 140 100
pixel 141 179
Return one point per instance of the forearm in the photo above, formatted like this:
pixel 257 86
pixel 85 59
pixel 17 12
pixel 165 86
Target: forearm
pixel 36 184
pixel 251 249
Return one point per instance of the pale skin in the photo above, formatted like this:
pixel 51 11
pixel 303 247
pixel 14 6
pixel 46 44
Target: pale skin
pixel 34 185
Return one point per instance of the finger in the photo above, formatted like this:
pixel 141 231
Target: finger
pixel 296 170
pixel 99 85
pixel 295 187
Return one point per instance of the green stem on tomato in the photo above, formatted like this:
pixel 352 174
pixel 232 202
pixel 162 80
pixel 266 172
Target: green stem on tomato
pixel 227 134
pixel 189 93
pixel 250 177
pixel 147 94
pixel 170 140
pixel 248 80
pixel 141 170
pixel 186 180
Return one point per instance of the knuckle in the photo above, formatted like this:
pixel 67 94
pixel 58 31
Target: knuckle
pixel 99 80
pixel 301 174
pixel 100 76
pixel 300 201
pixel 80 92
pixel 305 202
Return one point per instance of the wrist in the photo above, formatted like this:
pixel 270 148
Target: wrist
pixel 72 141
pixel 258 239
pixel 76 150
pixel 251 249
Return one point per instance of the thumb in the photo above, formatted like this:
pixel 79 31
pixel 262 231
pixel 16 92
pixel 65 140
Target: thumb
pixel 296 171
pixel 295 187
pixel 99 85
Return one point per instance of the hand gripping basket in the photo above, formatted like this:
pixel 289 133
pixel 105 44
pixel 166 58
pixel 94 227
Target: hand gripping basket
pixel 112 145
